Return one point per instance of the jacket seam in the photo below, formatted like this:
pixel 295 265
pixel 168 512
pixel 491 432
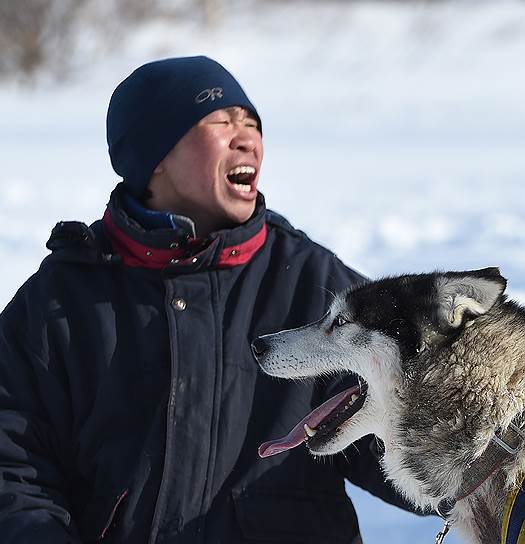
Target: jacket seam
pixel 217 388
pixel 163 487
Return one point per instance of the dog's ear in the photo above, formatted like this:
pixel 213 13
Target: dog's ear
pixel 463 296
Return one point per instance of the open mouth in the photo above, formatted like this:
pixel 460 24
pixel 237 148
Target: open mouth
pixel 321 424
pixel 242 178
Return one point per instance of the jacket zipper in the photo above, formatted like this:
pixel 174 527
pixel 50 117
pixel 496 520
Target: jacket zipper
pixel 161 497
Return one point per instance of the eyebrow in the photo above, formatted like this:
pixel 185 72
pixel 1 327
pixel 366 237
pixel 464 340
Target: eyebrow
pixel 247 113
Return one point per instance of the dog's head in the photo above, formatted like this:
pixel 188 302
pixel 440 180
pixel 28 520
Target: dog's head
pixel 383 331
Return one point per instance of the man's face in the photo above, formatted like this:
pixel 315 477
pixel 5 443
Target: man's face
pixel 211 175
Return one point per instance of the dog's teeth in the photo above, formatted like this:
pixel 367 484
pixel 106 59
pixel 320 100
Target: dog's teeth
pixel 354 397
pixel 310 432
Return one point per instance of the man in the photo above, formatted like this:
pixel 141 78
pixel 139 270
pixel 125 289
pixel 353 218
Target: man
pixel 131 406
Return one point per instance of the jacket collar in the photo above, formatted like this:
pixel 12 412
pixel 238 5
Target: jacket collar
pixel 151 219
pixel 174 249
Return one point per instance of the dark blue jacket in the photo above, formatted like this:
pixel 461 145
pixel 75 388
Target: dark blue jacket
pixel 131 407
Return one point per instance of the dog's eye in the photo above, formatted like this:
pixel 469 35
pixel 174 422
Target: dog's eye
pixel 339 321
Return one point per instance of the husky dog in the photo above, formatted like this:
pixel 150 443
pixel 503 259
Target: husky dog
pixel 441 364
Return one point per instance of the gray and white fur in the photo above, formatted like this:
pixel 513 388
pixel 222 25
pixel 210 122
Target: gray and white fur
pixel 443 356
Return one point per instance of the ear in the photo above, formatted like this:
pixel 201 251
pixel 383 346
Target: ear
pixel 464 295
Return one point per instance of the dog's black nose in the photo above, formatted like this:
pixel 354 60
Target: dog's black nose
pixel 259 346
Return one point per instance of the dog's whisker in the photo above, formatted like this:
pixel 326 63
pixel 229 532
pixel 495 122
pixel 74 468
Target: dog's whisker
pixel 323 288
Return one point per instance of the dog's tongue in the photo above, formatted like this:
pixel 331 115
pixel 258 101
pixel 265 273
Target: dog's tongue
pixel 297 435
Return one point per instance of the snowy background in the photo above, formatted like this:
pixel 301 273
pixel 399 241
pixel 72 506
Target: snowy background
pixel 394 133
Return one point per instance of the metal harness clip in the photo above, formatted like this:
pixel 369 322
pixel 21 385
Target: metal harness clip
pixel 443 533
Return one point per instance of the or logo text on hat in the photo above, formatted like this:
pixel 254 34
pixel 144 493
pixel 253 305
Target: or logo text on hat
pixel 212 94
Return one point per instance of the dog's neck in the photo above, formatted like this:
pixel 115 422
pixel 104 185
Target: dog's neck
pixel 477 516
pixel 448 413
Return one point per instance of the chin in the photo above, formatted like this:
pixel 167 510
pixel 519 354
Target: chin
pixel 240 216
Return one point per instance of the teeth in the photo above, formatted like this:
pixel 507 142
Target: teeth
pixel 242 188
pixel 353 398
pixel 241 170
pixel 310 432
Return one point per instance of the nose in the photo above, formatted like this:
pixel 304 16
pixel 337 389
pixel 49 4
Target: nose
pixel 259 346
pixel 243 140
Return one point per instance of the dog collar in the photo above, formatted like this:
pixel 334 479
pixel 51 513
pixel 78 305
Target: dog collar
pixel 502 447
pixel 513 527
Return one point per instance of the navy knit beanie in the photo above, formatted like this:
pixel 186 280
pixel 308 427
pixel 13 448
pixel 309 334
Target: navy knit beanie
pixel 154 107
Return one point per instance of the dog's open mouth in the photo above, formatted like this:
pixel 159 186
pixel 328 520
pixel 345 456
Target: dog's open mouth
pixel 321 423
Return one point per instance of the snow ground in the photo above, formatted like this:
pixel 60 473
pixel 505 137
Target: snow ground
pixel 394 134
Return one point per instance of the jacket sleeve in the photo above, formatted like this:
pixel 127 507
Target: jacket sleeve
pixel 33 505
